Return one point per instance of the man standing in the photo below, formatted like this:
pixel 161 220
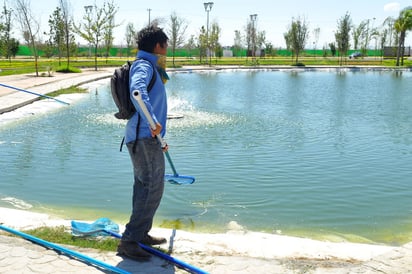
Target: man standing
pixel 144 148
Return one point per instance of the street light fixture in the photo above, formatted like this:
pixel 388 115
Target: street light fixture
pixel 88 9
pixel 208 8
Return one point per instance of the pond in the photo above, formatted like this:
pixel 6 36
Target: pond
pixel 324 154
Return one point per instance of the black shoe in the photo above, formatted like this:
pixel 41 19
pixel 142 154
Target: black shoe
pixel 133 251
pixel 150 240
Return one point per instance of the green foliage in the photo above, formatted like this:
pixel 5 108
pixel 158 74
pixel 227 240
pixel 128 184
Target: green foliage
pixel 283 57
pixel 66 69
pixel 299 64
pixel 61 235
pixel 342 35
pixel 69 90
pixel 297 36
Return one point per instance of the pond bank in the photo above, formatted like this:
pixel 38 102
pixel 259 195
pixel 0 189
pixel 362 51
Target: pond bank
pixel 236 251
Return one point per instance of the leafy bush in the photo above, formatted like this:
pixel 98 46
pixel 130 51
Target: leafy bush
pixel 68 70
pixel 299 64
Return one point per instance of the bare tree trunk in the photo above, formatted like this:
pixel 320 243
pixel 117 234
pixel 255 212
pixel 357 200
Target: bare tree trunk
pixel 65 9
pixel 399 52
pixel 28 24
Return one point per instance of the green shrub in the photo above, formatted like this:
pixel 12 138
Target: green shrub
pixel 68 70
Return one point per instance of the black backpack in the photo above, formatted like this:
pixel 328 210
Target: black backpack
pixel 119 84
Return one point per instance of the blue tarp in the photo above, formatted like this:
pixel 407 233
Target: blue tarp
pixel 98 228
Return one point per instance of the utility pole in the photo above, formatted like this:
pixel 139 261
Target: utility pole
pixel 149 10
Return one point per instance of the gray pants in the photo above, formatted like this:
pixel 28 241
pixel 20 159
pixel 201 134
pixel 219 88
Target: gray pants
pixel 149 170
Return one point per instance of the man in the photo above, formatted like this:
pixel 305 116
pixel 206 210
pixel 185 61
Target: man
pixel 144 148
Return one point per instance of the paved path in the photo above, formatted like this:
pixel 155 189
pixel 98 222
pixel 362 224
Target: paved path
pixel 11 99
pixel 21 256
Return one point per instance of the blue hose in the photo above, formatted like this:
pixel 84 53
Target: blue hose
pixel 65 250
pixel 189 268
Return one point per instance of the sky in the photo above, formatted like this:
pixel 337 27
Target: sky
pixel 273 16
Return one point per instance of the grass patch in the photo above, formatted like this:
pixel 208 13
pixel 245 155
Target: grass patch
pixel 60 235
pixel 46 66
pixel 69 90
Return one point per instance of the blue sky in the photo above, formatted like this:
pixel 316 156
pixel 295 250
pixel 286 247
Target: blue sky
pixel 273 16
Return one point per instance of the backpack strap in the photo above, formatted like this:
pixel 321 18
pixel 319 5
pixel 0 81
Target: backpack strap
pixel 152 81
pixel 154 75
pixel 149 88
pixel 137 133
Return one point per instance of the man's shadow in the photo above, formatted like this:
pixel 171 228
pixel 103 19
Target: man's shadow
pixel 155 265
pixel 160 262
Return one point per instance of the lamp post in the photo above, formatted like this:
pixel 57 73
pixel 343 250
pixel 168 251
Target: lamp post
pixel 208 8
pixel 149 10
pixel 253 19
pixel 88 10
pixel 374 35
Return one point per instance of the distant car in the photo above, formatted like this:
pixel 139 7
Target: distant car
pixel 355 55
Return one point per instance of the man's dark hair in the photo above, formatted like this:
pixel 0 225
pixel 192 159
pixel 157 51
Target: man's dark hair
pixel 148 37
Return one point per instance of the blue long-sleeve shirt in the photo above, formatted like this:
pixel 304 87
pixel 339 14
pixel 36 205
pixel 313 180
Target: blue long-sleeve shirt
pixel 141 73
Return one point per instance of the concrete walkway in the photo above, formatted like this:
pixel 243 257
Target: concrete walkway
pixel 11 99
pixel 22 256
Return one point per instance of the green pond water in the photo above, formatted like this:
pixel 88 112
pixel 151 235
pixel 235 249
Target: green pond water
pixel 321 154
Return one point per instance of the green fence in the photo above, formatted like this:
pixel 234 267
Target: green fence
pixel 124 52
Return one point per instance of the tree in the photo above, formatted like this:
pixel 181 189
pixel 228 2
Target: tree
pixel 130 37
pixel 376 35
pixel 357 34
pixel 237 43
pixel 389 30
pixel 202 43
pixel 388 34
pixel 3 33
pixel 269 49
pixel 68 37
pixel 108 37
pixel 56 33
pixel 61 35
pixel 332 48
pixel 13 47
pixel 362 35
pixel 316 33
pixel 7 44
pixel 260 40
pixel 176 32
pixel 29 27
pixel 190 45
pixel 342 36
pixel 297 36
pixel 215 46
pixel 402 25
pixel 249 38
pixel 95 24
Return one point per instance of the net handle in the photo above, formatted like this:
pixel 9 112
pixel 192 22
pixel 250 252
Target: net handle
pixel 176 178
pixel 138 96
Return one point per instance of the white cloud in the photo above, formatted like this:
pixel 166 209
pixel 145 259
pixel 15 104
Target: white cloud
pixel 394 6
